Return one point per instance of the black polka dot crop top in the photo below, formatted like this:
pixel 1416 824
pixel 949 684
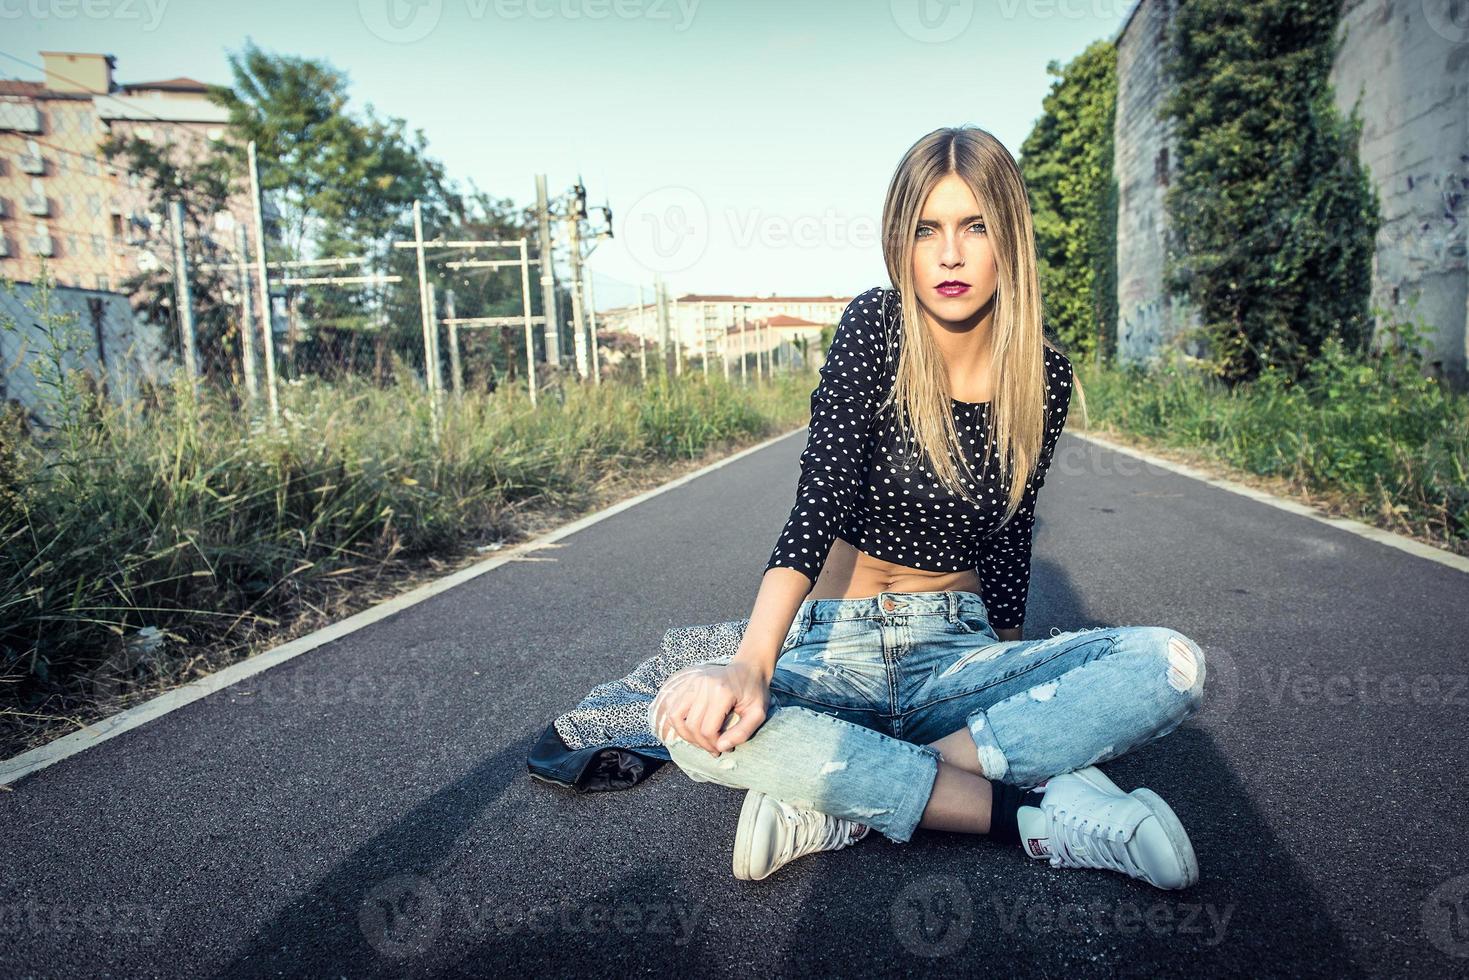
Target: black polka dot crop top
pixel 855 484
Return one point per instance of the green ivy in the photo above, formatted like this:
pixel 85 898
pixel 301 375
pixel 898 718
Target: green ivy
pixel 1272 218
pixel 1067 164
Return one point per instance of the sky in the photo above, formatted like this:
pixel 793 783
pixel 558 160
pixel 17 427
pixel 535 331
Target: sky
pixel 744 146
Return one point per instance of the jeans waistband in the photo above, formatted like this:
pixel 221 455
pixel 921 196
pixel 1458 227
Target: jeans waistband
pixel 950 604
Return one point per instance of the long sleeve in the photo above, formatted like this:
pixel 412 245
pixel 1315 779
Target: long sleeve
pixel 1004 563
pixel 834 462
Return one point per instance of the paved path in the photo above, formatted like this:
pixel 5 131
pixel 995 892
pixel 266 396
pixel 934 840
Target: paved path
pixel 364 810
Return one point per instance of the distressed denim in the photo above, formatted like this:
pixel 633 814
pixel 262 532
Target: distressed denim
pixel 863 685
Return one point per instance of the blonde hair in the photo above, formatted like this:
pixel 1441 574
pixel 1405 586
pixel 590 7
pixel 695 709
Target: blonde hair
pixel 1018 401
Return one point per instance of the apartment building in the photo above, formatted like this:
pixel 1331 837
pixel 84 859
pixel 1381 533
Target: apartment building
pixel 694 316
pixel 61 201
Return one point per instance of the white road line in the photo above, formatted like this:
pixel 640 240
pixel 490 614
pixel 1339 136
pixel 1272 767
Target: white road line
pixel 28 762
pixel 38 758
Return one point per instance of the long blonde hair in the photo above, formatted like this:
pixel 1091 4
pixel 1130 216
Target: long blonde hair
pixel 1018 402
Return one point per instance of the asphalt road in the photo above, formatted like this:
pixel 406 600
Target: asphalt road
pixel 364 810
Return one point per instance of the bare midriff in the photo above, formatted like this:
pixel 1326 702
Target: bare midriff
pixel 851 573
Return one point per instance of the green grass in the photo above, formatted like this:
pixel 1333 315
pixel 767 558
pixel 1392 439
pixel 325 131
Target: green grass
pixel 1370 435
pixel 216 530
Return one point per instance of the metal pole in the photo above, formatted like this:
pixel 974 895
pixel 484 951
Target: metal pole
pixel 724 348
pixel 592 325
pixel 455 365
pixel 548 274
pixel 530 337
pixel 677 342
pixel 704 338
pixel 433 336
pixel 247 315
pixel 268 343
pixel 660 301
pixel 579 339
pixel 429 368
pixel 182 296
pixel 744 309
pixel 642 339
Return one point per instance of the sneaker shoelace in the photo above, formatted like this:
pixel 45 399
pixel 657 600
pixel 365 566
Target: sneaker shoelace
pixel 814 830
pixel 1079 842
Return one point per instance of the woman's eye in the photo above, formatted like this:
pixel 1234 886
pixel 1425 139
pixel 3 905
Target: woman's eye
pixel 921 231
pixel 979 225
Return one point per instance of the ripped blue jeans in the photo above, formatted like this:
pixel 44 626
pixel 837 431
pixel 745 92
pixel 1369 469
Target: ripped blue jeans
pixel 863 685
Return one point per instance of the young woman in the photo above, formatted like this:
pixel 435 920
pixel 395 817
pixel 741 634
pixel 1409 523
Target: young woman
pixel 881 681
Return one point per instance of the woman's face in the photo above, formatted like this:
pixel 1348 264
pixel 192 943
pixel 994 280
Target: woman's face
pixel 950 247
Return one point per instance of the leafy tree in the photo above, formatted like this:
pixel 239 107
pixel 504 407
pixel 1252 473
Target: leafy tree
pixel 343 183
pixel 203 184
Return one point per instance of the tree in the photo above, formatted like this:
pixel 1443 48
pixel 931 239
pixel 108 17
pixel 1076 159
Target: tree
pixel 343 183
pixel 203 183
pixel 1067 163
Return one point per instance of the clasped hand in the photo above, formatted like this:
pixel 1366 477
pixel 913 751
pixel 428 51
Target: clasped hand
pixel 696 704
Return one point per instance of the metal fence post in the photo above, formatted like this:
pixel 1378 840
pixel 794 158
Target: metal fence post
pixel 183 297
pixel 268 334
pixel 430 369
pixel 456 369
pixel 530 340
pixel 247 315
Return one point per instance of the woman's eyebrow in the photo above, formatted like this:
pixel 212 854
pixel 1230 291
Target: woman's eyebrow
pixel 930 223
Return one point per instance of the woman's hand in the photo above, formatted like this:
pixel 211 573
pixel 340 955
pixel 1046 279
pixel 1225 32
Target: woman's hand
pixel 695 702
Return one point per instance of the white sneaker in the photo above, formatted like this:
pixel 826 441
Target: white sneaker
pixel 1086 821
pixel 772 834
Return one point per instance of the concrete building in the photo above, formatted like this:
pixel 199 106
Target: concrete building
pixel 1409 64
pixel 695 316
pixel 61 201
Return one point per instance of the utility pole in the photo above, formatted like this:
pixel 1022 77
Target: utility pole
pixel 592 324
pixel 579 338
pixel 548 274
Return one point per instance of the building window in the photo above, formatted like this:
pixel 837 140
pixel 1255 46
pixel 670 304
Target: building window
pixel 99 248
